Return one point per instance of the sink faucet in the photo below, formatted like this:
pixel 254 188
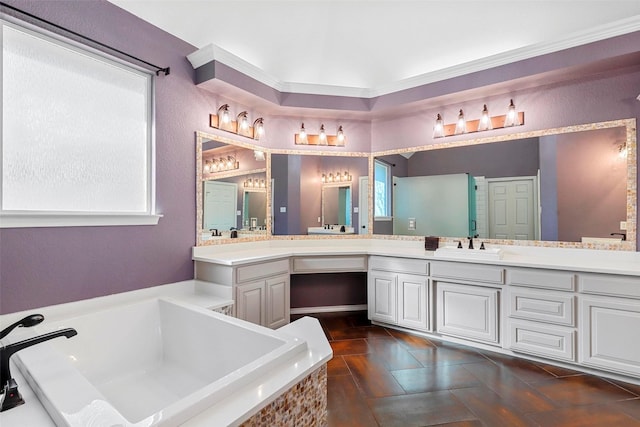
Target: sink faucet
pixel 27 322
pixel 10 397
pixel 623 235
pixel 470 242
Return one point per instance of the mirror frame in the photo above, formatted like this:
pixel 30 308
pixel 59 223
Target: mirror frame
pixel 337 185
pixel 632 176
pixel 200 138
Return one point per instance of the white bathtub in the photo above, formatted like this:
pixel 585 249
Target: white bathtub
pixel 154 363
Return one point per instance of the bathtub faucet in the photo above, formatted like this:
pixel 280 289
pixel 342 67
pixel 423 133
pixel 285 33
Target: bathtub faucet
pixel 10 397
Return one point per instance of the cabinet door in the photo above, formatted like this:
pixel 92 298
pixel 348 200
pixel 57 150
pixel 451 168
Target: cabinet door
pixel 413 301
pixel 277 302
pixel 468 311
pixel 610 334
pixel 250 302
pixel 382 296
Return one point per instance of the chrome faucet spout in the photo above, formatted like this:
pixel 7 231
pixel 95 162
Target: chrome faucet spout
pixel 9 389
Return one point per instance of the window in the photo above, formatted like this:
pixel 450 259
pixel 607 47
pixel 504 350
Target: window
pixel 77 135
pixel 382 190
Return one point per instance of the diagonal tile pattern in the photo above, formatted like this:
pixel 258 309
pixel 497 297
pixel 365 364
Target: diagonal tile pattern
pixel 381 377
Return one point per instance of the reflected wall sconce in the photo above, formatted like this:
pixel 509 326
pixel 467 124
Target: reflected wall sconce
pixel 486 122
pixel 322 138
pixel 337 177
pixel 222 120
pixel 221 164
pixel 255 183
pixel 259 155
pixel 622 150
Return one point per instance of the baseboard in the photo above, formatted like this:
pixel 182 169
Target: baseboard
pixel 328 309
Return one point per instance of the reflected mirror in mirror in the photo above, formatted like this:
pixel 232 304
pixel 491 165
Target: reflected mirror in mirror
pixel 233 191
pixel 299 199
pixel 569 187
pixel 336 206
pixel 254 209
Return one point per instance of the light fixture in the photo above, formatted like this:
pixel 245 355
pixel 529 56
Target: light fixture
pixel 511 118
pixel 243 122
pixel 338 177
pixel 461 124
pixel 241 126
pixel 340 134
pixel 221 164
pixel 258 128
pixel 223 114
pixel 259 155
pixel 322 138
pixel 485 120
pixel 622 151
pixel 438 128
pixel 303 135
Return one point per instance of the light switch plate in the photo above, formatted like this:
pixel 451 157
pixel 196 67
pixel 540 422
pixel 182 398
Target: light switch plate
pixel 283 209
pixel 356 209
pixel 238 213
pixel 412 223
pixel 623 225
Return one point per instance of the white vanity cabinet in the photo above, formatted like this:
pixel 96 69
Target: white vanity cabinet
pixel 610 322
pixel 398 292
pixel 468 300
pixel 261 290
pixel 541 313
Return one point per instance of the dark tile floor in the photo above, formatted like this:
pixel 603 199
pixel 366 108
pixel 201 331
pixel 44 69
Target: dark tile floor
pixel 383 377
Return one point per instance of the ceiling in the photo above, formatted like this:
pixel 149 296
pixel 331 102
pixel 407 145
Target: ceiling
pixel 376 47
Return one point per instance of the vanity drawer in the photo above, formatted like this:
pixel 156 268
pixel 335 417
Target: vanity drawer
pixel 552 307
pixel 265 269
pixel 547 279
pixel 329 264
pixel 549 341
pixel 470 272
pixel 607 284
pixel 400 265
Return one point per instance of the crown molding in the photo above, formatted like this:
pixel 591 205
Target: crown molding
pixel 212 52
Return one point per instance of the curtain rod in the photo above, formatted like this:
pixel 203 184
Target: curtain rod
pixel 158 70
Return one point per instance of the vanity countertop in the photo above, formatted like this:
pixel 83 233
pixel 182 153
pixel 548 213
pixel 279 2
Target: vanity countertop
pixel 581 260
pixel 229 411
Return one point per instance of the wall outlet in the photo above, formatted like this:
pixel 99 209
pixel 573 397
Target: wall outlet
pixel 283 209
pixel 412 223
pixel 356 209
pixel 623 225
pixel 238 213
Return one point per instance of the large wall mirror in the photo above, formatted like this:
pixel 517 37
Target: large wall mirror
pixel 573 186
pixel 232 189
pixel 319 194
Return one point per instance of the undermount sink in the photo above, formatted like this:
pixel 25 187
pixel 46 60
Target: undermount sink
pixel 464 253
pixel 152 363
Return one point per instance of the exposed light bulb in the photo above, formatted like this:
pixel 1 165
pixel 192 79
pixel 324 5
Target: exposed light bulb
pixel 323 136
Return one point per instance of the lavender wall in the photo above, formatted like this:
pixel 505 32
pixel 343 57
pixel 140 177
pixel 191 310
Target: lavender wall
pixel 44 266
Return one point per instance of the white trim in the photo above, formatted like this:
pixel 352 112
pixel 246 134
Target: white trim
pixel 212 52
pixel 328 309
pixel 75 220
